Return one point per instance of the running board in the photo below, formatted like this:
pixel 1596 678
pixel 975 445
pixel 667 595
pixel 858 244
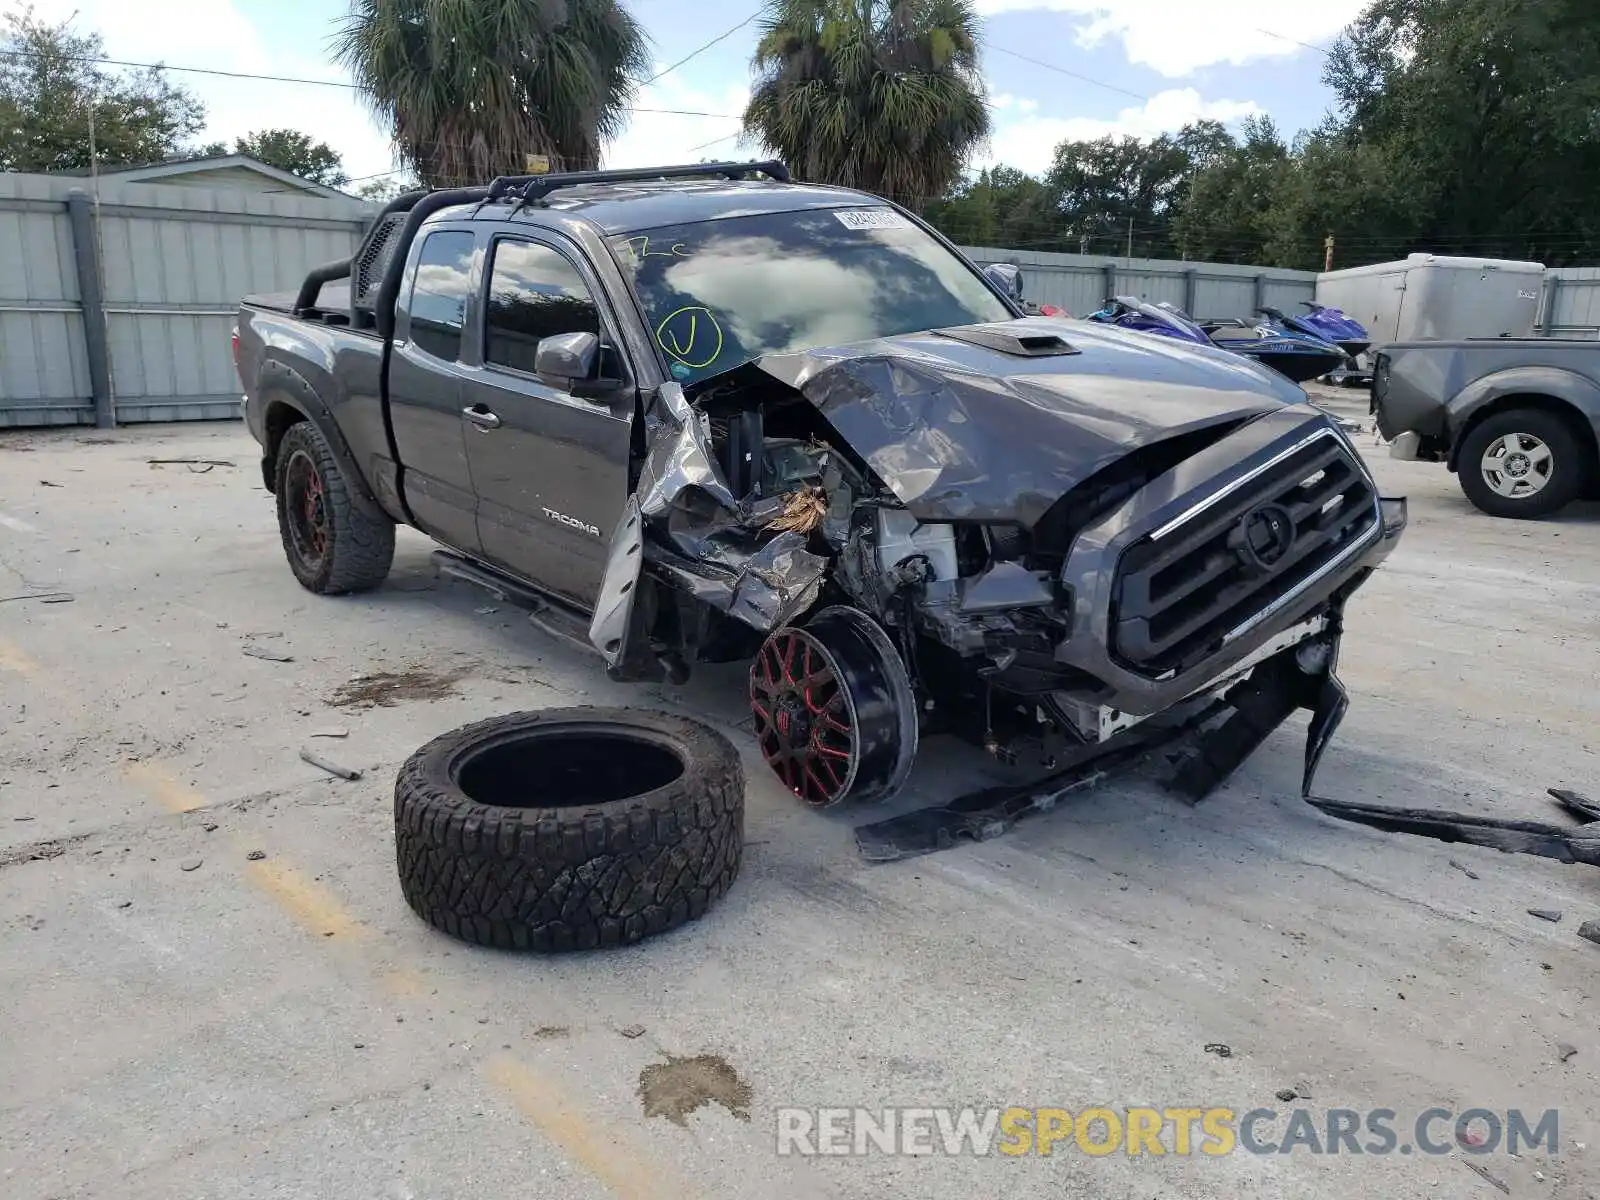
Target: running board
pixel 553 616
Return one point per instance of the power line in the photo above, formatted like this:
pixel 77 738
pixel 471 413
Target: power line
pixel 1099 83
pixel 332 83
pixel 1322 50
pixel 702 49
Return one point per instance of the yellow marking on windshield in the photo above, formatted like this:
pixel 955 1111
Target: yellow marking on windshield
pixel 692 328
pixel 639 249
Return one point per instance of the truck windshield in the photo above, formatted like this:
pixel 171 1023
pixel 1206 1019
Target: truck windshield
pixel 720 293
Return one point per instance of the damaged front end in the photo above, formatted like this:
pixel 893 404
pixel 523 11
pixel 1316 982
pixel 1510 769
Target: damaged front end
pixel 906 546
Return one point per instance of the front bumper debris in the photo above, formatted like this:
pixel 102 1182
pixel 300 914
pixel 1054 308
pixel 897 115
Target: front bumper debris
pixel 1509 837
pixel 1196 756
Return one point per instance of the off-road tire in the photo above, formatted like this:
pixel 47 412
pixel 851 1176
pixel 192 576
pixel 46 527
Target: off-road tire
pixel 360 544
pixel 1571 469
pixel 569 877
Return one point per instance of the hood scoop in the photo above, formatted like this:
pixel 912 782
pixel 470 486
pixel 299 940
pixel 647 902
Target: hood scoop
pixel 1023 342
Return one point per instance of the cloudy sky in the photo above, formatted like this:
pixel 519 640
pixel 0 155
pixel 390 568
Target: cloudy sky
pixel 1156 65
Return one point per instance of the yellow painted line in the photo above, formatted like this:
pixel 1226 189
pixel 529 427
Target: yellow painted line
pixel 174 794
pixel 306 900
pixel 13 659
pixel 598 1150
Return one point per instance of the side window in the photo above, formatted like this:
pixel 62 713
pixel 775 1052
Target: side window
pixel 439 295
pixel 534 293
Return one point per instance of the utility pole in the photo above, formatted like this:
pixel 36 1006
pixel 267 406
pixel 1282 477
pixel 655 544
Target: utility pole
pixel 1130 239
pixel 1327 255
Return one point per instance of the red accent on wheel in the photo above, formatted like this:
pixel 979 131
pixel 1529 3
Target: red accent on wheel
pixel 803 721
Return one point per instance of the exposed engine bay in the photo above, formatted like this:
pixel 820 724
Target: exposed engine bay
pixel 758 531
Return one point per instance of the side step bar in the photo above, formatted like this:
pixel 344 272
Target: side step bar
pixel 556 618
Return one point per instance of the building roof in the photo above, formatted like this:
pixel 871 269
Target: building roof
pixel 156 172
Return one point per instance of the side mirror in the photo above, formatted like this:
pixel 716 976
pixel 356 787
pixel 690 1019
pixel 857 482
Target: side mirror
pixel 565 359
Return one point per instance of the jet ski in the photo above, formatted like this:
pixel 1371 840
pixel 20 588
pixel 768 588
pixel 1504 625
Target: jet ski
pixel 1332 325
pixel 1299 356
pixel 1328 323
pixel 1163 320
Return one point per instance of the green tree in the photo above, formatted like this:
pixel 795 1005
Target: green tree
pixel 385 189
pixel 1462 126
pixel 471 88
pixel 1001 207
pixel 1226 214
pixel 1115 189
pixel 882 95
pixel 50 86
pixel 297 153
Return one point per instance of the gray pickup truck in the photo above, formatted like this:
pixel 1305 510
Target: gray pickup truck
pixel 706 414
pixel 1517 419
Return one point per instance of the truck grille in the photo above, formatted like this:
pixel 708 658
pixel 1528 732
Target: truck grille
pixel 1185 590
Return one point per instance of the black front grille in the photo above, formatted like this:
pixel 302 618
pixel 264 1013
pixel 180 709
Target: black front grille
pixel 1178 596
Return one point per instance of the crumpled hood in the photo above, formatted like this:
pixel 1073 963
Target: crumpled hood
pixel 965 431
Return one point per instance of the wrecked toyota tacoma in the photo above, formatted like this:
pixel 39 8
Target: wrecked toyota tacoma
pixel 704 414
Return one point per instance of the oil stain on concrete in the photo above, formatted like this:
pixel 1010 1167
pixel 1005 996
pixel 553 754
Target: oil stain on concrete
pixel 388 688
pixel 679 1086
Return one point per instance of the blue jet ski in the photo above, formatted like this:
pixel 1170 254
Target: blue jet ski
pixel 1290 352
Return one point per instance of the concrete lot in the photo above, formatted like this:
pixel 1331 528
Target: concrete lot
pixel 284 1027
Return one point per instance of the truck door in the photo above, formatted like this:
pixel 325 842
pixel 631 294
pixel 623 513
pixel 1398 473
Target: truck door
pixel 550 468
pixel 425 389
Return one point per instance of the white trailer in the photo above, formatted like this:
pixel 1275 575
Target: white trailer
pixel 1436 297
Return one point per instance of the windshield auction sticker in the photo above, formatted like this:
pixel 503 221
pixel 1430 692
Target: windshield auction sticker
pixel 872 218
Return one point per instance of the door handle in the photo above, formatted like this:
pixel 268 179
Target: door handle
pixel 481 417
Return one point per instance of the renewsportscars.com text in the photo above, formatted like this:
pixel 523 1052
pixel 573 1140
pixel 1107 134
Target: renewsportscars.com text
pixel 1213 1132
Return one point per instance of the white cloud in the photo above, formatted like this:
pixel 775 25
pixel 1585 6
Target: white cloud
pixel 215 35
pixel 1030 143
pixel 1005 102
pixel 1178 37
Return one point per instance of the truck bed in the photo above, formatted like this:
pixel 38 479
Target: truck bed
pixel 335 297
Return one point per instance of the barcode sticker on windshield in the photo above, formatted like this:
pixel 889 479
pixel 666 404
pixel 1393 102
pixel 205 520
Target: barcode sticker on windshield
pixel 872 218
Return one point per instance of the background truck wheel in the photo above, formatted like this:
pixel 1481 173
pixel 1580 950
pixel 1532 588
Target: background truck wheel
pixel 569 829
pixel 332 544
pixel 1524 463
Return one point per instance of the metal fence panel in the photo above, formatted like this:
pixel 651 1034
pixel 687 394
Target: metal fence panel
pixel 44 370
pixel 174 263
pixel 1208 291
pixel 1574 302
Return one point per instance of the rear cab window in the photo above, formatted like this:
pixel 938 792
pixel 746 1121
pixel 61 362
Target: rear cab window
pixel 438 309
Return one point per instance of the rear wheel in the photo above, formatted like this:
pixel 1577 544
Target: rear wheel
pixel 1522 464
pixel 834 711
pixel 333 545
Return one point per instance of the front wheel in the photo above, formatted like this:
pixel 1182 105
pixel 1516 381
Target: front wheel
pixel 1522 464
pixel 834 711
pixel 332 544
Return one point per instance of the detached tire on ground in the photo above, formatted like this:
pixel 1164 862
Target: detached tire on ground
pixel 569 829
pixel 333 543
pixel 1523 464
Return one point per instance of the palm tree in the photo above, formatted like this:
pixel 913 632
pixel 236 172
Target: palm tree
pixel 471 88
pixel 883 95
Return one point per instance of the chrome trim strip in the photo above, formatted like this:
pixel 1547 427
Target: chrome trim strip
pixel 1197 509
pixel 1290 596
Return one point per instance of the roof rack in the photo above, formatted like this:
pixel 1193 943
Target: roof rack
pixel 529 188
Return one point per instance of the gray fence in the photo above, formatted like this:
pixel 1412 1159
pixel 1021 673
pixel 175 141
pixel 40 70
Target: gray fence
pixel 1572 302
pixel 160 294
pixel 1207 291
